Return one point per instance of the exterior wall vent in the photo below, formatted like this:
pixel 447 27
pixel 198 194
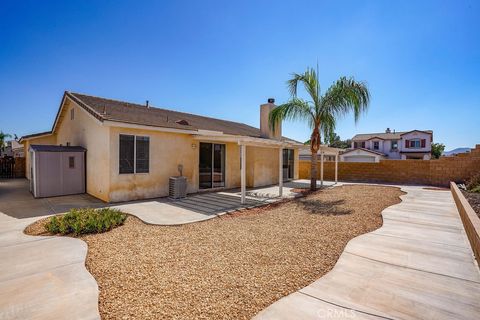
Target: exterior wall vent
pixel 182 122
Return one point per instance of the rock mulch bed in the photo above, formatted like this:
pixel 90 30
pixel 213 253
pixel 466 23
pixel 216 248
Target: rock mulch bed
pixel 230 267
pixel 474 200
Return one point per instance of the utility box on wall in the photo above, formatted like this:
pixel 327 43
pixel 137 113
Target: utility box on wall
pixel 56 170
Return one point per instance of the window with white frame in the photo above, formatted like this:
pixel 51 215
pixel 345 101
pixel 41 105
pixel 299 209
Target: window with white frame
pixel 134 154
pixel 394 144
pixel 376 145
pixel 415 143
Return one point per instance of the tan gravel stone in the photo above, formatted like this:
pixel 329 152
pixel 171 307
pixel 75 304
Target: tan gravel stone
pixel 229 267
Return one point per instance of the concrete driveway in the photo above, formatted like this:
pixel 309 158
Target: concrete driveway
pixel 17 201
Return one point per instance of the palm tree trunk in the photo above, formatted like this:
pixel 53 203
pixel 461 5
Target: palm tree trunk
pixel 313 172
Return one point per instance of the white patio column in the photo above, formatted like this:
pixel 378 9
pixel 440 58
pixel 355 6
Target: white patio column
pixel 243 176
pixel 280 172
pixel 336 167
pixel 321 168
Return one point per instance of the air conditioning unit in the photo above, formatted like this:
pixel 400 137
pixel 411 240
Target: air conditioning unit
pixel 177 187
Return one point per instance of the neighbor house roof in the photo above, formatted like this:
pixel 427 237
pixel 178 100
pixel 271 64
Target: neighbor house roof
pixel 366 150
pixel 385 136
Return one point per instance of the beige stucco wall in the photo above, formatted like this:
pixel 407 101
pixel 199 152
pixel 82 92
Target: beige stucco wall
pixel 86 131
pixel 262 166
pixel 167 151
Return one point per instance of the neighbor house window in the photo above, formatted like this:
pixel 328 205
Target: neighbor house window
pixel 363 144
pixel 376 145
pixel 415 143
pixel 394 144
pixel 134 154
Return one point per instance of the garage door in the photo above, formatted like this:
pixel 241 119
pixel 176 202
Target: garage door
pixel 359 159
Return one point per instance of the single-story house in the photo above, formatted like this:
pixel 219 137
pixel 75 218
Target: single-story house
pixel 133 149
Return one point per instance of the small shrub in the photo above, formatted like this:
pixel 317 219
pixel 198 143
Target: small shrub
pixel 473 184
pixel 83 221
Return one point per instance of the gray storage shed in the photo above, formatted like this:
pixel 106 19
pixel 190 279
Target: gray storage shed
pixel 56 170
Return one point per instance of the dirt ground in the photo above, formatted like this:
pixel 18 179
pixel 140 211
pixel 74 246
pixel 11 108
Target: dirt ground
pixel 474 200
pixel 230 267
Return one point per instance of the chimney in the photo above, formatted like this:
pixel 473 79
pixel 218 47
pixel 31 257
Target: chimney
pixel 265 129
pixel 388 130
pixel 147 104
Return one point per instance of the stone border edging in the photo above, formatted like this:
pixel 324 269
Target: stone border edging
pixel 470 220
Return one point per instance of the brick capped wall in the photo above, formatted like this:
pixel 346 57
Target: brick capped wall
pixel 430 172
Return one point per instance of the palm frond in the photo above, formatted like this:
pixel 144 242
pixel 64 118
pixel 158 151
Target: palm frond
pixel 294 109
pixel 310 82
pixel 346 95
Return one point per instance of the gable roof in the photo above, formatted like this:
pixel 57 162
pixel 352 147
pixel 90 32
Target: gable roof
pixel 104 109
pixel 386 136
pixel 119 111
pixel 366 150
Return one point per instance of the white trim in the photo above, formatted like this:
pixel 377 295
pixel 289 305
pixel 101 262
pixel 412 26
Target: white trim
pixel 112 123
pixel 280 172
pixel 243 177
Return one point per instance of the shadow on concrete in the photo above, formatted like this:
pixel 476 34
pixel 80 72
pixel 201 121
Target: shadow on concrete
pixel 213 203
pixel 16 201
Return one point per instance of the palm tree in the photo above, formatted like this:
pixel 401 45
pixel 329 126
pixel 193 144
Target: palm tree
pixel 3 137
pixel 322 110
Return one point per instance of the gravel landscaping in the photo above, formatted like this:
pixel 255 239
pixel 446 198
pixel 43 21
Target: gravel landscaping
pixel 474 200
pixel 230 267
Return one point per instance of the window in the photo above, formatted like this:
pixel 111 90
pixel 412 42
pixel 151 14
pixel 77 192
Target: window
pixel 71 162
pixel 363 144
pixel 355 145
pixel 134 154
pixel 415 143
pixel 142 154
pixel 394 145
pixel 376 145
pixel 72 114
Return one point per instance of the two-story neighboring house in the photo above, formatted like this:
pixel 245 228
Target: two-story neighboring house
pixel 373 147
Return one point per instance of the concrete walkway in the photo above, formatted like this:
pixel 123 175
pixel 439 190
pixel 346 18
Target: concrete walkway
pixel 418 265
pixel 43 277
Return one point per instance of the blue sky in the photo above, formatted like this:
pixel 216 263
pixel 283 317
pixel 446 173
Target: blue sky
pixel 421 59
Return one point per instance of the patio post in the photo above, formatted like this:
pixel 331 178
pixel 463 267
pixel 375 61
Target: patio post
pixel 243 149
pixel 336 167
pixel 280 172
pixel 321 168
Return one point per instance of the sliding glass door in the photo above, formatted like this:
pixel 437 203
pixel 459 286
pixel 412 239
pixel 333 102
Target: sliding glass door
pixel 288 164
pixel 212 165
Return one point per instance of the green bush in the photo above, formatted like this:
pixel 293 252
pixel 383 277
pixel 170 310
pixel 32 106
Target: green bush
pixel 473 184
pixel 83 221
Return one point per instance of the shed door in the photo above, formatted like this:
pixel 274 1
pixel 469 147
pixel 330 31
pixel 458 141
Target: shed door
pixel 48 176
pixel 73 172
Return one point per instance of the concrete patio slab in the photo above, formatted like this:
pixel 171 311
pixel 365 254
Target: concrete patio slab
pixel 418 265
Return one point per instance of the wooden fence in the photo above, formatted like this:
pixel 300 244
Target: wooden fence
pixel 12 168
